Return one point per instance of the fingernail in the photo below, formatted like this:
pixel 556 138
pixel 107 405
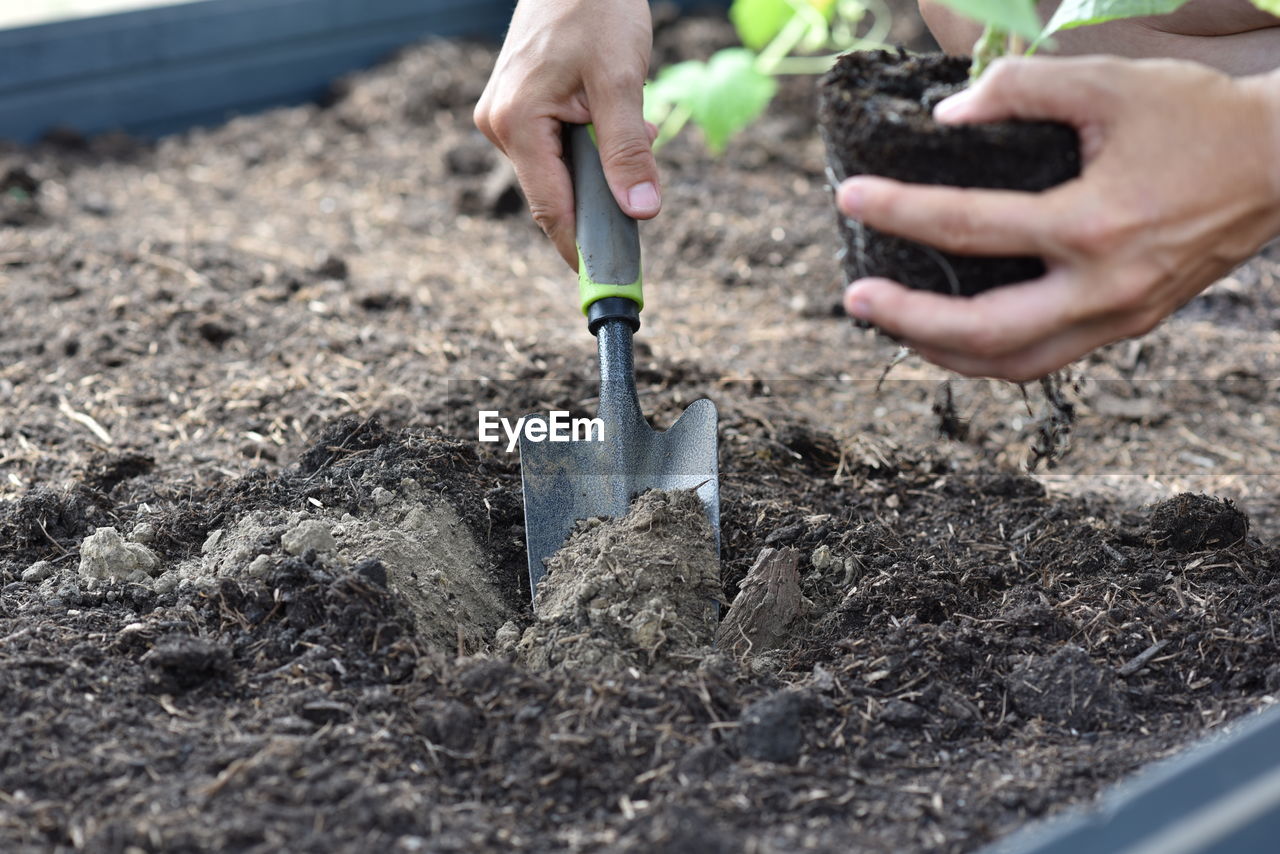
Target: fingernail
pixel 952 108
pixel 850 198
pixel 855 304
pixel 643 198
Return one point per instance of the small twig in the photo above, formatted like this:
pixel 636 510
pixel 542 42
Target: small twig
pixel 1140 660
pixel 85 421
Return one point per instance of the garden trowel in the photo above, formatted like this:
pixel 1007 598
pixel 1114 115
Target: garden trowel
pixel 567 481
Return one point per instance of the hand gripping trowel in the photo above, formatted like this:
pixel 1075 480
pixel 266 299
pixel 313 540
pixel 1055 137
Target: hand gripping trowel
pixel 568 481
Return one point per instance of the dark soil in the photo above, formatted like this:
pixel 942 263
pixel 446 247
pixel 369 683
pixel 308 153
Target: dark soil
pixel 291 314
pixel 876 110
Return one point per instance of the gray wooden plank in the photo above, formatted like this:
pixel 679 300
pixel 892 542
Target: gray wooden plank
pixel 159 100
pixel 1220 797
pixel 69 50
pixel 155 70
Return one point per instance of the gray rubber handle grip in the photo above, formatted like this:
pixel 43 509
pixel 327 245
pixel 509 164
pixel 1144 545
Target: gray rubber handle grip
pixel 608 240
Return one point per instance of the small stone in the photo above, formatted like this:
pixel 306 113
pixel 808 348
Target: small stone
pixel 902 714
pixel 105 554
pixel 507 636
pixel 143 532
pixel 771 730
pixel 821 558
pixel 38 571
pixel 332 267
pixel 785 535
pixel 372 570
pixel 325 712
pixel 165 582
pixel 308 535
pixel 259 566
pixel 96 205
pixel 382 496
pixel 211 542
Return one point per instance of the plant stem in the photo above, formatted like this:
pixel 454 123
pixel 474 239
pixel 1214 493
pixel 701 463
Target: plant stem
pixel 990 45
pixel 672 125
pixel 792 33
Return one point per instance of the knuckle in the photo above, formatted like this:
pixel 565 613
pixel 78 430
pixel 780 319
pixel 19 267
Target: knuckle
pixel 1095 232
pixel 1001 75
pixel 629 152
pixel 1131 289
pixel 544 216
pixel 621 77
pixel 503 120
pixel 957 225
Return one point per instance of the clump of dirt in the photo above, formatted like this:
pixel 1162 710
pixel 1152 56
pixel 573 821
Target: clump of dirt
pixel 19 191
pixel 181 662
pixel 641 590
pixel 412 541
pixel 106 554
pixel 876 114
pixel 1189 523
pixel 1068 689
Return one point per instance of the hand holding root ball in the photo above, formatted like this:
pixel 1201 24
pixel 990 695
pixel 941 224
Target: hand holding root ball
pixel 1181 182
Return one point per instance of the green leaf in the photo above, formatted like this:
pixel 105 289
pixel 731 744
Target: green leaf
pixel 1270 6
pixel 722 95
pixel 733 95
pixel 758 22
pixel 1015 16
pixel 1083 13
pixel 675 84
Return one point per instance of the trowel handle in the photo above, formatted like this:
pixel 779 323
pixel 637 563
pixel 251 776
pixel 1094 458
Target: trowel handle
pixel 608 240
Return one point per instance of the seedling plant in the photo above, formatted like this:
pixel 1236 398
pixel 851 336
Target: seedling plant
pixel 732 89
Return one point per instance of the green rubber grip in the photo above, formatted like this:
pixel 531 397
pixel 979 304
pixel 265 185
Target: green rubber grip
pixel 608 240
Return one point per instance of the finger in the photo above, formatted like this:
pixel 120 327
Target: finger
pixel 994 323
pixel 653 132
pixel 536 153
pixel 1069 89
pixel 964 221
pixel 626 150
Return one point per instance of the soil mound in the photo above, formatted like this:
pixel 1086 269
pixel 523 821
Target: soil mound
pixel 1189 523
pixel 636 591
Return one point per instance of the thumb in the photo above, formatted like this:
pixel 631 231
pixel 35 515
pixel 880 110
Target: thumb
pixel 626 149
pixel 1071 90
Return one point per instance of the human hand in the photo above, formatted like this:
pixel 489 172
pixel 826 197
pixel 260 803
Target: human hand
pixel 574 61
pixel 1181 183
